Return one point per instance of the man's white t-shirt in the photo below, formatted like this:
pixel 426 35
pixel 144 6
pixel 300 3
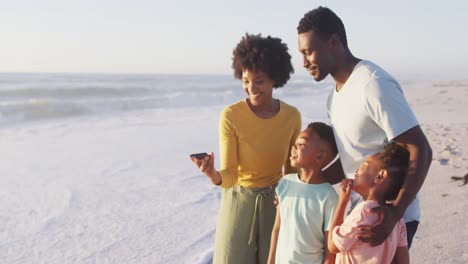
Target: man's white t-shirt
pixel 369 111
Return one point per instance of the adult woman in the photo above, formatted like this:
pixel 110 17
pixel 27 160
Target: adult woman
pixel 256 135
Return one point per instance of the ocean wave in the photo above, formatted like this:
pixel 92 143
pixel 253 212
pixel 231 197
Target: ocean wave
pixel 25 97
pixel 74 92
pixel 53 108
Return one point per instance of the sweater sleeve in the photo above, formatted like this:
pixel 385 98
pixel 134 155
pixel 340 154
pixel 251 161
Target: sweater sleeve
pixel 228 149
pixel 297 129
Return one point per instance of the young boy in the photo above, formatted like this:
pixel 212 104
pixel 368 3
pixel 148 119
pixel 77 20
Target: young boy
pixel 306 201
pixel 378 180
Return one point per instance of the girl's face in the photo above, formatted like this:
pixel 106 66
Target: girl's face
pixel 258 86
pixel 364 176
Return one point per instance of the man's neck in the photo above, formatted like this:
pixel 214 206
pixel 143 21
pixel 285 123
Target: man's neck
pixel 311 175
pixel 344 68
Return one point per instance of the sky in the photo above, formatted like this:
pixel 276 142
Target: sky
pixel 426 39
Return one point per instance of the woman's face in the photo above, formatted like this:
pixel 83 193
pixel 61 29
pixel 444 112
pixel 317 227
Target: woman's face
pixel 258 86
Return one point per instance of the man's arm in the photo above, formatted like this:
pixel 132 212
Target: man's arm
pixel 274 237
pixel 334 173
pixel 420 160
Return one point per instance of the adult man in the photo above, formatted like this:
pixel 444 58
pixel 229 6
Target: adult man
pixel 367 109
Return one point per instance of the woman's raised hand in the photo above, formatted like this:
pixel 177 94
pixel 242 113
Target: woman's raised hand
pixel 206 165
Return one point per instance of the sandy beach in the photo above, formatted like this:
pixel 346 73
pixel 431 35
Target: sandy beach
pixel 441 108
pixel 121 189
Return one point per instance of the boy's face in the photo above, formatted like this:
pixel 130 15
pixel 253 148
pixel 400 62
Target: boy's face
pixel 364 176
pixel 306 151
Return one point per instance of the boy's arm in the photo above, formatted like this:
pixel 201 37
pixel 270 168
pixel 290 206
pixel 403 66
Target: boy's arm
pixel 274 237
pixel 401 256
pixel 328 257
pixel 345 193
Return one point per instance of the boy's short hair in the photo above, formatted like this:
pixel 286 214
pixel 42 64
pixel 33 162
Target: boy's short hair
pixel 325 132
pixel 324 22
pixel 267 54
pixel 395 159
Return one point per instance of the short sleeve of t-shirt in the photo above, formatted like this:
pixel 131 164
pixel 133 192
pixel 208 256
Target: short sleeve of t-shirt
pixel 329 210
pixel 281 188
pixel 344 236
pixel 386 104
pixel 402 236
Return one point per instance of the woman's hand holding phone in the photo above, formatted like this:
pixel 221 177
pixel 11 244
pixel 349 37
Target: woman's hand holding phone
pixel 205 162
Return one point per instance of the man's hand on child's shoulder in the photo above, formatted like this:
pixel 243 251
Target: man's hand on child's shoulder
pixel 376 234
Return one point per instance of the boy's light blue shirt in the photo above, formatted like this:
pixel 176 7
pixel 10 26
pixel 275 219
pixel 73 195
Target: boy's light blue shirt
pixel 306 212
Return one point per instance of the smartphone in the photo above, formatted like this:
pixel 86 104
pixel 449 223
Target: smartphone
pixel 199 156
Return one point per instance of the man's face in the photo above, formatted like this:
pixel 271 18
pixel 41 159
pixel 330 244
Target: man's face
pixel 316 54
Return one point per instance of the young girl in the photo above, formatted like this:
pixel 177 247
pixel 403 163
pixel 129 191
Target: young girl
pixel 378 180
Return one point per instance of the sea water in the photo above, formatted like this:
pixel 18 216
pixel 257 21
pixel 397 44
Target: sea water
pixel 26 97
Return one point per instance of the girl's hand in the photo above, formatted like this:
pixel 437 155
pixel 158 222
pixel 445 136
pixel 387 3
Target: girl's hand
pixel 345 189
pixel 206 165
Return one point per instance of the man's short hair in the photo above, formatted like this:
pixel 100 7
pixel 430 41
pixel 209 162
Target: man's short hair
pixel 324 22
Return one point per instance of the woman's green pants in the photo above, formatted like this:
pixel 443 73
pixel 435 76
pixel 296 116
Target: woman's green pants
pixel 245 222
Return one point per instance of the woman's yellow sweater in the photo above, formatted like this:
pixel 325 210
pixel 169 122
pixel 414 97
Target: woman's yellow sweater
pixel 254 150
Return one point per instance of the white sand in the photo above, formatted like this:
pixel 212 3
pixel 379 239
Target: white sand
pixel 442 110
pixel 120 189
